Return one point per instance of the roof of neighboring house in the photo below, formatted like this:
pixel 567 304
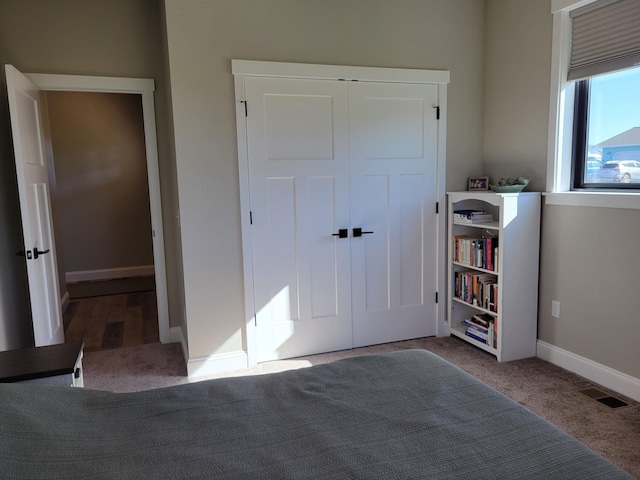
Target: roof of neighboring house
pixel 629 137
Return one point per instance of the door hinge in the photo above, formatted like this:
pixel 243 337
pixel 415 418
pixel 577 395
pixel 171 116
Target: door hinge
pixel 437 107
pixel 437 207
pixel 246 110
pixel 250 217
pixel 436 297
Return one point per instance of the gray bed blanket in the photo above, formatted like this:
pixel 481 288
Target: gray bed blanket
pixel 403 415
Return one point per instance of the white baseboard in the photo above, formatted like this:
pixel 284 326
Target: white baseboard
pixel 64 301
pixel 596 372
pixel 109 273
pixel 223 362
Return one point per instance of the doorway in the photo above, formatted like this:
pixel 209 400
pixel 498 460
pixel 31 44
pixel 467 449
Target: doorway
pixel 102 223
pixel 143 90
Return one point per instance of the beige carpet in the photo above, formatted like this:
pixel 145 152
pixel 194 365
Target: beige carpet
pixel 543 388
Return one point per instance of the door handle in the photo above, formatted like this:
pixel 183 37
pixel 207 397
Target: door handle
pixel 37 253
pixel 357 232
pixel 342 233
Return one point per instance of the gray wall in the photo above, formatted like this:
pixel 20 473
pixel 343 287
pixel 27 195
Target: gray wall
pixel 588 262
pixel 516 89
pixel 590 266
pixel 102 195
pixel 203 37
pixel 116 38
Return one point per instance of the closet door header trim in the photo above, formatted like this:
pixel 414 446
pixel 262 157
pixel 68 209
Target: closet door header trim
pixel 338 72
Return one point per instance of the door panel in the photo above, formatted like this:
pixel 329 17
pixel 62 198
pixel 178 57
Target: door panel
pixel 35 208
pixel 298 127
pixel 298 162
pixel 393 129
pixel 281 230
pixel 411 240
pixel 376 244
pixel 393 170
pixel 324 272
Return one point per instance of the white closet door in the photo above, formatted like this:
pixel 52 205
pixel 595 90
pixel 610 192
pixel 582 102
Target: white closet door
pixel 393 153
pixel 299 187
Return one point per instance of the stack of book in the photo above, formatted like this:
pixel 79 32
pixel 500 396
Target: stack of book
pixel 472 216
pixel 480 289
pixel 483 328
pixel 481 252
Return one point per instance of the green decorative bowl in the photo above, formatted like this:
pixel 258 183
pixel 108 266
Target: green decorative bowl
pixel 507 188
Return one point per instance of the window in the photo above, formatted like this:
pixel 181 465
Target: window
pixel 606 135
pixel 595 103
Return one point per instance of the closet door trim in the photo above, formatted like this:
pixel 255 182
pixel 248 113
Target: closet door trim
pixel 244 68
pixel 337 72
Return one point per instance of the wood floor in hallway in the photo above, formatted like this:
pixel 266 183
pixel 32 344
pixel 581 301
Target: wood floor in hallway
pixel 112 321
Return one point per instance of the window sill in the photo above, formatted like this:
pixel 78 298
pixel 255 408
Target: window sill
pixel 606 199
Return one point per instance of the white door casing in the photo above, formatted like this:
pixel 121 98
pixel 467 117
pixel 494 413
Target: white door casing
pixel 393 160
pixel 35 208
pixel 144 88
pixel 406 277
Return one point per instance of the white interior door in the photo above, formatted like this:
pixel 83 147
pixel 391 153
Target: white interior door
pixel 393 172
pixel 35 207
pixel 326 155
pixel 299 186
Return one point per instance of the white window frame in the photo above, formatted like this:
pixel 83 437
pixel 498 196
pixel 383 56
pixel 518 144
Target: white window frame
pixel 561 125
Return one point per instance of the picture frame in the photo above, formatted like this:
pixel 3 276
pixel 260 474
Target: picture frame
pixel 478 184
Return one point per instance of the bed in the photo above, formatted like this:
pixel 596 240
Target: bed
pixel 401 415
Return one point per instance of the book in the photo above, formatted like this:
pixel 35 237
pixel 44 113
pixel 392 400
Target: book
pixel 462 248
pixel 478 333
pixel 475 251
pixel 475 337
pixel 489 249
pixel 473 218
pixel 470 324
pixel 483 319
pixel 493 334
pixel 474 287
pixel 468 213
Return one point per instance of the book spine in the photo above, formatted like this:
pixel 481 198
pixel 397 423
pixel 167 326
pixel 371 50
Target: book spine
pixel 489 256
pixel 469 323
pixel 478 333
pixel 479 339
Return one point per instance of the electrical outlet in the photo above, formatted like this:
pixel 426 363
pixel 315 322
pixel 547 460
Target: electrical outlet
pixel 555 308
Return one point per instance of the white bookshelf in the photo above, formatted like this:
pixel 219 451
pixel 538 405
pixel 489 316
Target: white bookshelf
pixel 516 225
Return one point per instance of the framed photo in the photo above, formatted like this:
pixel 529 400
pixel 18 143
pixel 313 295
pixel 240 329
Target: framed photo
pixel 478 183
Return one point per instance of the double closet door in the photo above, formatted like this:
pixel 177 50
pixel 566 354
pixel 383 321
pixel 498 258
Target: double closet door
pixel 342 180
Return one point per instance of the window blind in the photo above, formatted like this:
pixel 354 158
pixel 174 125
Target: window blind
pixel 605 37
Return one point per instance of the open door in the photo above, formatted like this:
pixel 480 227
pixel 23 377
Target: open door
pixel 35 208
